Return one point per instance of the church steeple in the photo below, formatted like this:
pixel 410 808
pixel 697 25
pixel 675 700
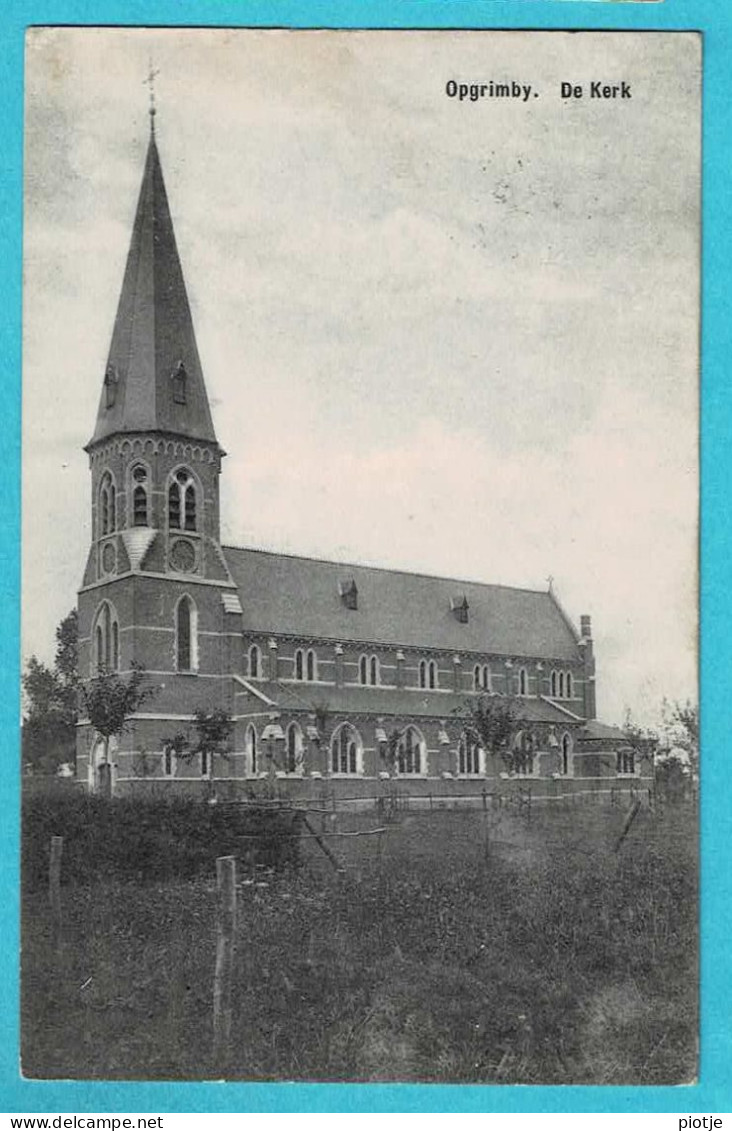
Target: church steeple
pixel 153 380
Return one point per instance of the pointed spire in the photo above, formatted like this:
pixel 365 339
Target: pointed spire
pixel 153 380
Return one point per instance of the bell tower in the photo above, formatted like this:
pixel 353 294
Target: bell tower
pixel 156 590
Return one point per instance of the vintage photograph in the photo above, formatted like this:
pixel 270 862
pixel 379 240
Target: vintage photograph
pixel 360 730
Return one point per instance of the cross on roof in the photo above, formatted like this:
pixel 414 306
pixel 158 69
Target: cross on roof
pixel 150 82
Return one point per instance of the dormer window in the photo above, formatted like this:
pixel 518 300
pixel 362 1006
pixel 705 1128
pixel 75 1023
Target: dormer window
pixel 459 605
pixel 179 379
pixel 111 380
pixel 349 593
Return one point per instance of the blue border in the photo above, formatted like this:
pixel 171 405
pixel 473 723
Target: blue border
pixel 714 17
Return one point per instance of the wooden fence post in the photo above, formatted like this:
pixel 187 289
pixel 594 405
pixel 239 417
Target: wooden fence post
pixel 223 974
pixel 54 886
pixel 631 816
pixel 322 845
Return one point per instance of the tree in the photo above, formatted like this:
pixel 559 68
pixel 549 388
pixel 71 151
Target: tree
pixel 491 721
pixel 677 760
pixel 681 730
pixel 108 701
pixel 212 735
pixel 644 740
pixel 51 696
pixel 389 752
pixel 673 749
pixel 321 715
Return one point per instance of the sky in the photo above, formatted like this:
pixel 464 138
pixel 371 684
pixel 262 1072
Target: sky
pixel 459 337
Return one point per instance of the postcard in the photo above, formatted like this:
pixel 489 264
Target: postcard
pixel 360 523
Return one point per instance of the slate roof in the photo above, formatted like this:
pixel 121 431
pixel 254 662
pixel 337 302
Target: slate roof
pixel 390 701
pixel 285 595
pixel 153 330
pixel 594 731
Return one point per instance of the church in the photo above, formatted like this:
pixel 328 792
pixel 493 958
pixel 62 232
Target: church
pixel 329 670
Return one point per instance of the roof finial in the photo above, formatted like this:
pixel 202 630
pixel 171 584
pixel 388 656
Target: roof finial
pixel 150 82
pixel 550 579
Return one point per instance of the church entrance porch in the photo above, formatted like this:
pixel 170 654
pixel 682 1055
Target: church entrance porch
pixel 101 770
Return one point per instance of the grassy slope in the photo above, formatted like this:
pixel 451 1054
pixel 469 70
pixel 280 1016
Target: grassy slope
pixel 547 959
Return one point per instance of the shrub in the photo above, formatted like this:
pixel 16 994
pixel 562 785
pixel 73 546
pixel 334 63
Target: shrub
pixel 148 840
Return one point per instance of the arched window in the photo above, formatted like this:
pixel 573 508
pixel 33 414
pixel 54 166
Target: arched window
pixel 168 761
pixel 368 670
pixel 255 662
pixel 469 758
pixel 293 749
pixel 524 749
pixel 205 764
pixel 107 505
pixel 139 480
pixel 345 750
pixel 422 673
pixel 186 636
pixel 568 685
pixel 553 685
pixel 566 753
pixel 410 752
pixel 251 749
pixel 311 666
pixel 182 501
pixel 106 639
pixel 523 681
pixel 374 671
pixel 363 670
pixel 560 685
pixel 432 674
pixel 107 630
pixel 299 665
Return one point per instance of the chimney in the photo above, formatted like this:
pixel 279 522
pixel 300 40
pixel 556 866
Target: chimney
pixel 588 664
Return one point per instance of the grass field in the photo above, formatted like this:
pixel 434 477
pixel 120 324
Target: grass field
pixel 472 947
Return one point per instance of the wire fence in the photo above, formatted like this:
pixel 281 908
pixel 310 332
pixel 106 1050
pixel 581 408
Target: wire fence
pixel 521 797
